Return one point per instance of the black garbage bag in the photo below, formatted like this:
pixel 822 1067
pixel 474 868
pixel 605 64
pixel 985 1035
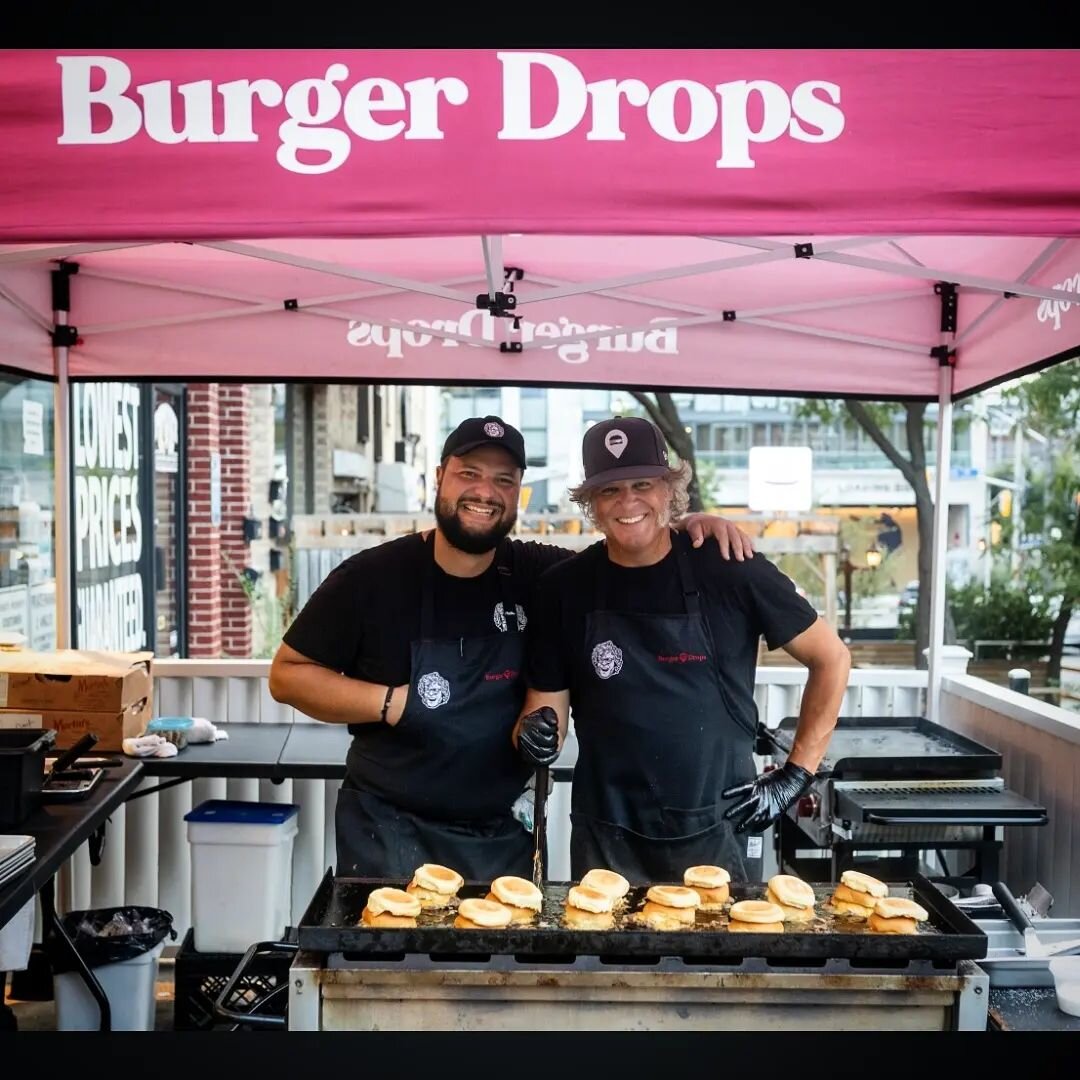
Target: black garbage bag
pixel 109 935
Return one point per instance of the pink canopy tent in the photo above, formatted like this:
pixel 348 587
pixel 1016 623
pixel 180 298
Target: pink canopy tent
pixel 882 224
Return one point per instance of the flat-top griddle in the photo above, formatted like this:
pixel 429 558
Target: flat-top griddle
pixel 883 747
pixel 332 925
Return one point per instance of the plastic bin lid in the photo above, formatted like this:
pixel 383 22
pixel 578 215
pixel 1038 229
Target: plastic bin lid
pixel 229 812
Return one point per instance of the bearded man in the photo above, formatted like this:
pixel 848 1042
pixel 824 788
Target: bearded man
pixel 418 646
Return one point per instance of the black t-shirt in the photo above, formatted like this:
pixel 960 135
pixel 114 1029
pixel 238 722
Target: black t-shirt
pixel 363 618
pixel 742 601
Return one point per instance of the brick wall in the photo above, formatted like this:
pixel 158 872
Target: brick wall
pixel 219 613
pixel 236 615
pixel 204 539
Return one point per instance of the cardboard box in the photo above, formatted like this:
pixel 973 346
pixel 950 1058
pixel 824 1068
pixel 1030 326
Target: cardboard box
pixel 74 680
pixel 70 726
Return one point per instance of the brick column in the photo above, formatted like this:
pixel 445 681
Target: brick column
pixel 236 613
pixel 204 544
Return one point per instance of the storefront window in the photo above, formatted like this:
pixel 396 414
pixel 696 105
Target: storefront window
pixel 27 574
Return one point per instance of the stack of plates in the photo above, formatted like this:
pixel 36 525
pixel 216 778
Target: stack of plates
pixel 16 854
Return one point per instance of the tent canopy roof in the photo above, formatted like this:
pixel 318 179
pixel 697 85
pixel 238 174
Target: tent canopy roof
pixel 802 222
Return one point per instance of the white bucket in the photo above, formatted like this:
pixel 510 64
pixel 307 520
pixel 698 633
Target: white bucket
pixel 241 873
pixel 128 984
pixel 17 939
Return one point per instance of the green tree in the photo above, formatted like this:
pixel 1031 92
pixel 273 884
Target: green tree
pixel 664 413
pixel 910 459
pixel 1049 403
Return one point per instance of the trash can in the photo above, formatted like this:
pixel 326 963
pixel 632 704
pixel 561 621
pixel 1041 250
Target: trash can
pixel 241 872
pixel 121 946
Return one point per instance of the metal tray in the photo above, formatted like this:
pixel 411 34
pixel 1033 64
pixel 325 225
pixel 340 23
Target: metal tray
pixel 330 925
pixel 895 748
pixel 916 806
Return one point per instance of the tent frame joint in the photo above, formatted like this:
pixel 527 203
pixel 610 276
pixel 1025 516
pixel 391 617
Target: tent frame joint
pixel 64 337
pixel 947 290
pixel 804 251
pixel 501 305
pixel 729 316
pixel 292 304
pixel 945 356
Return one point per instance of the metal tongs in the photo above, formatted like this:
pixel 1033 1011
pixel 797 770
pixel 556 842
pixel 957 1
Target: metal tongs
pixel 1033 947
pixel 69 757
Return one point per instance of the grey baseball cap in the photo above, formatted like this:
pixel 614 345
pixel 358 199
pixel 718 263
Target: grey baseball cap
pixel 623 448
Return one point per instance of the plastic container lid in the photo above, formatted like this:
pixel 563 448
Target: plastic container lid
pixel 228 812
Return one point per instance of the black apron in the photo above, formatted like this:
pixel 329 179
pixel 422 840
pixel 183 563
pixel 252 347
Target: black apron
pixel 438 786
pixel 658 743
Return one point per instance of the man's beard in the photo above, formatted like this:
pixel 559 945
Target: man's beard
pixel 468 540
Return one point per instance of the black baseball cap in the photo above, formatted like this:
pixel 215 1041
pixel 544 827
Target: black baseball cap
pixel 485 431
pixel 623 448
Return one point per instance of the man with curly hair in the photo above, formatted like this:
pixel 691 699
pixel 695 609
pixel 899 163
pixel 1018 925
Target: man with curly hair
pixel 653 644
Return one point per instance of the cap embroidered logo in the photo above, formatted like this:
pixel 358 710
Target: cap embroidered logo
pixel 615 440
pixel 433 689
pixel 496 431
pixel 607 659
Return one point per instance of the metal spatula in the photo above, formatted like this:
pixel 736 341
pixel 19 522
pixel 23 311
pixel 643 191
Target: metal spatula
pixel 540 794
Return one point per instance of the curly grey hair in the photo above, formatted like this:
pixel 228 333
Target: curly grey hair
pixel 677 480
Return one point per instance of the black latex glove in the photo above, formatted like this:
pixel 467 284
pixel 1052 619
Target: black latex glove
pixel 538 736
pixel 767 797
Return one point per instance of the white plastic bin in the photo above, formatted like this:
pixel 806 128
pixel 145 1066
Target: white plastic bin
pixel 241 872
pixel 17 939
pixel 129 985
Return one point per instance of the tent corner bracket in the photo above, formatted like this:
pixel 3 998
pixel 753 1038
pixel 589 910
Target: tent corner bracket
pixel 804 251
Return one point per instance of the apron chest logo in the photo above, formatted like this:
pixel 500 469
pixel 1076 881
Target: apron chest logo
pixel 500 616
pixel 433 689
pixel 607 659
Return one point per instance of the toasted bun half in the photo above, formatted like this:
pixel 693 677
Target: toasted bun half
pixel 738 927
pixel 881 925
pixel 755 911
pixel 385 921
pixel 791 914
pixel 792 891
pixel 864 883
pixel 428 900
pixel 661 917
pixel 607 882
pixel 588 920
pixel 393 902
pixel 842 892
pixel 709 877
pixel 438 879
pixel 586 898
pixel 855 911
pixel 673 896
pixel 517 892
pixel 485 913
pixel 713 899
pixel 517 914
pixel 899 907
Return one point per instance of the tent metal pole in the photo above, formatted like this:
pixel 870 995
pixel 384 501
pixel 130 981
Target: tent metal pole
pixel 941 538
pixel 62 513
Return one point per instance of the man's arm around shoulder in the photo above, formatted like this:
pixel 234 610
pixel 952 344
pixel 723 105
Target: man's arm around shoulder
pixel 327 695
pixel 820 649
